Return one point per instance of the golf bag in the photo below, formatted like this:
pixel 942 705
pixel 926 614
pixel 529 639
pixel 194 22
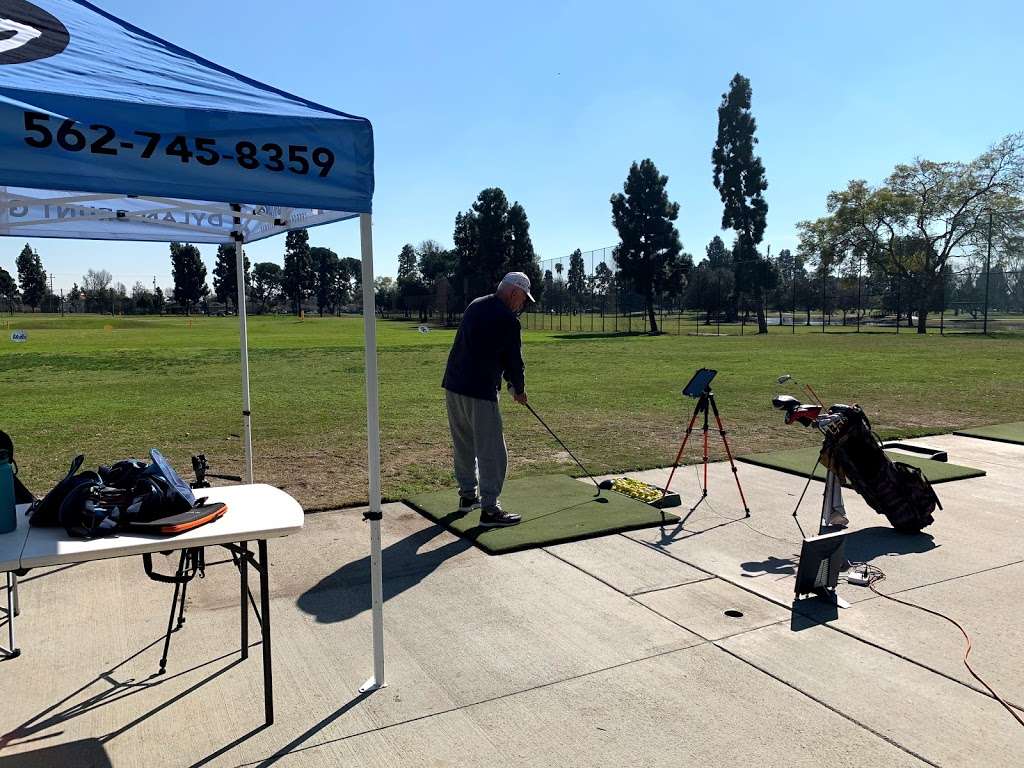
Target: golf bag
pixel 898 491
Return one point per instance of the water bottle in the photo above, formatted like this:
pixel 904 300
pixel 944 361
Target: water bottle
pixel 8 518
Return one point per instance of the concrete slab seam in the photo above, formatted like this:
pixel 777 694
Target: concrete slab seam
pixel 471 704
pixel 834 628
pixel 830 708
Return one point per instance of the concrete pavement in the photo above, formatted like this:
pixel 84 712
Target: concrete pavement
pixel 608 652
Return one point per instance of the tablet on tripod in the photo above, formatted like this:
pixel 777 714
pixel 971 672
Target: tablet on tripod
pixel 700 383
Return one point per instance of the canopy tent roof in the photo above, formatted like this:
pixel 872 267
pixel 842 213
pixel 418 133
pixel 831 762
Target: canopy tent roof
pixel 108 132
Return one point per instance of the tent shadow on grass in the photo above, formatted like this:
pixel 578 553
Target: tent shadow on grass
pixel 333 598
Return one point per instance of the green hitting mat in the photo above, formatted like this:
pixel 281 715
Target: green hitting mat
pixel 800 460
pixel 555 509
pixel 1004 433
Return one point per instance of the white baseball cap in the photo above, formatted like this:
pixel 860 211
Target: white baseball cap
pixel 519 280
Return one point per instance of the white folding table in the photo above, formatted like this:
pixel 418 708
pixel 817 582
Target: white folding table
pixel 255 513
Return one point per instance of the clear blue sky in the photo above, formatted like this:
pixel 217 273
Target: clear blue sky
pixel 552 101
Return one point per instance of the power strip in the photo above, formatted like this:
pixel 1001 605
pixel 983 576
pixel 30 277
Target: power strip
pixel 860 578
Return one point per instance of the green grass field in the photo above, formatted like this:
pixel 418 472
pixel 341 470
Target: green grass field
pixel 114 387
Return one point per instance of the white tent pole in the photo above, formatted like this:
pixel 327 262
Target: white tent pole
pixel 244 334
pixel 373 449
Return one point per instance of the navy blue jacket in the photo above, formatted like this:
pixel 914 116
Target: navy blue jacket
pixel 487 346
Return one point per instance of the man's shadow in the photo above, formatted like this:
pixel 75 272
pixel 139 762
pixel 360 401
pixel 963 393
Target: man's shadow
pixel 404 566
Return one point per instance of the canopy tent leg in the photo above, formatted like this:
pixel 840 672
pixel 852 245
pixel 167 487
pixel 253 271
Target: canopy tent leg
pixel 373 449
pixel 243 331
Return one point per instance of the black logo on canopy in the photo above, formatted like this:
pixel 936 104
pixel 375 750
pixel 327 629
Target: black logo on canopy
pixel 28 33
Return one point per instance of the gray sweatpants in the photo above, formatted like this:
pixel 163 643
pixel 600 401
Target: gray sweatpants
pixel 479 445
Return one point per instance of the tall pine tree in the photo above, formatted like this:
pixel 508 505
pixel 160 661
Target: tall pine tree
pixel 189 275
pixel 31 277
pixel 649 249
pixel 298 268
pixel 225 276
pixel 739 179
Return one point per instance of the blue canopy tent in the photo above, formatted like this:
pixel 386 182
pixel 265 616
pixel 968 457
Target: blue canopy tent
pixel 108 132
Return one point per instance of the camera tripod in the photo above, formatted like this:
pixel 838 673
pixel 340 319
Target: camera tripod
pixel 706 401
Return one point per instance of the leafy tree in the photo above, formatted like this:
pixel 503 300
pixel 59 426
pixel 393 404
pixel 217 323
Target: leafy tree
pixel 326 266
pixel 492 238
pixel 31 277
pixel 349 284
pixel 225 275
pixel 925 214
pixel 74 297
pixel 412 291
pixel 98 295
pixel 649 247
pixel 298 276
pixel 466 248
pixel 266 284
pixel 158 300
pixel 189 275
pixel 8 288
pixel 739 179
pixel 710 288
pixel 577 275
pixel 385 293
pixel 548 283
pixel 603 281
pixel 717 254
pixel 522 257
pixel 435 262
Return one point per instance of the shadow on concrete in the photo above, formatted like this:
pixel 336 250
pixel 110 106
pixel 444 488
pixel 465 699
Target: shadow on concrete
pixel 865 545
pixel 113 690
pixel 87 752
pixel 404 566
pixel 772 566
pixel 295 744
pixel 810 612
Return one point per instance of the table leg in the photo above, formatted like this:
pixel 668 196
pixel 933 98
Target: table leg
pixel 12 586
pixel 268 673
pixel 243 596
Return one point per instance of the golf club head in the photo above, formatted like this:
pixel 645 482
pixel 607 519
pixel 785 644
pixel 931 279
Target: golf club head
pixel 784 378
pixel 785 403
pixel 803 414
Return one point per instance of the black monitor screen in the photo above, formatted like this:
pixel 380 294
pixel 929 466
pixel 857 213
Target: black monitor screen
pixel 821 558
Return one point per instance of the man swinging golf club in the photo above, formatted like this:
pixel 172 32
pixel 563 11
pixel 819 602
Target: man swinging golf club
pixel 487 346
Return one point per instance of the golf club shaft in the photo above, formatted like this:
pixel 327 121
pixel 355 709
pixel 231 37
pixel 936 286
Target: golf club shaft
pixel 563 445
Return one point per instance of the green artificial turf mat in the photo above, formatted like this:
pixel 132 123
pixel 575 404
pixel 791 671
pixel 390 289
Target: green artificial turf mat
pixel 555 509
pixel 1004 433
pixel 800 460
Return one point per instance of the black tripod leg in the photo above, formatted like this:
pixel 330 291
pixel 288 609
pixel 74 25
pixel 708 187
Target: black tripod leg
pixel 174 607
pixel 191 562
pixel 800 500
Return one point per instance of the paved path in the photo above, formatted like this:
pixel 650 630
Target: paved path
pixel 609 652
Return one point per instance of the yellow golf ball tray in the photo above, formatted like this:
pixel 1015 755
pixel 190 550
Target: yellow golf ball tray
pixel 641 491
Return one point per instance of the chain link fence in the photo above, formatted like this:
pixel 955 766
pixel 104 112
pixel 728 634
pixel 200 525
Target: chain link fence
pixel 592 298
